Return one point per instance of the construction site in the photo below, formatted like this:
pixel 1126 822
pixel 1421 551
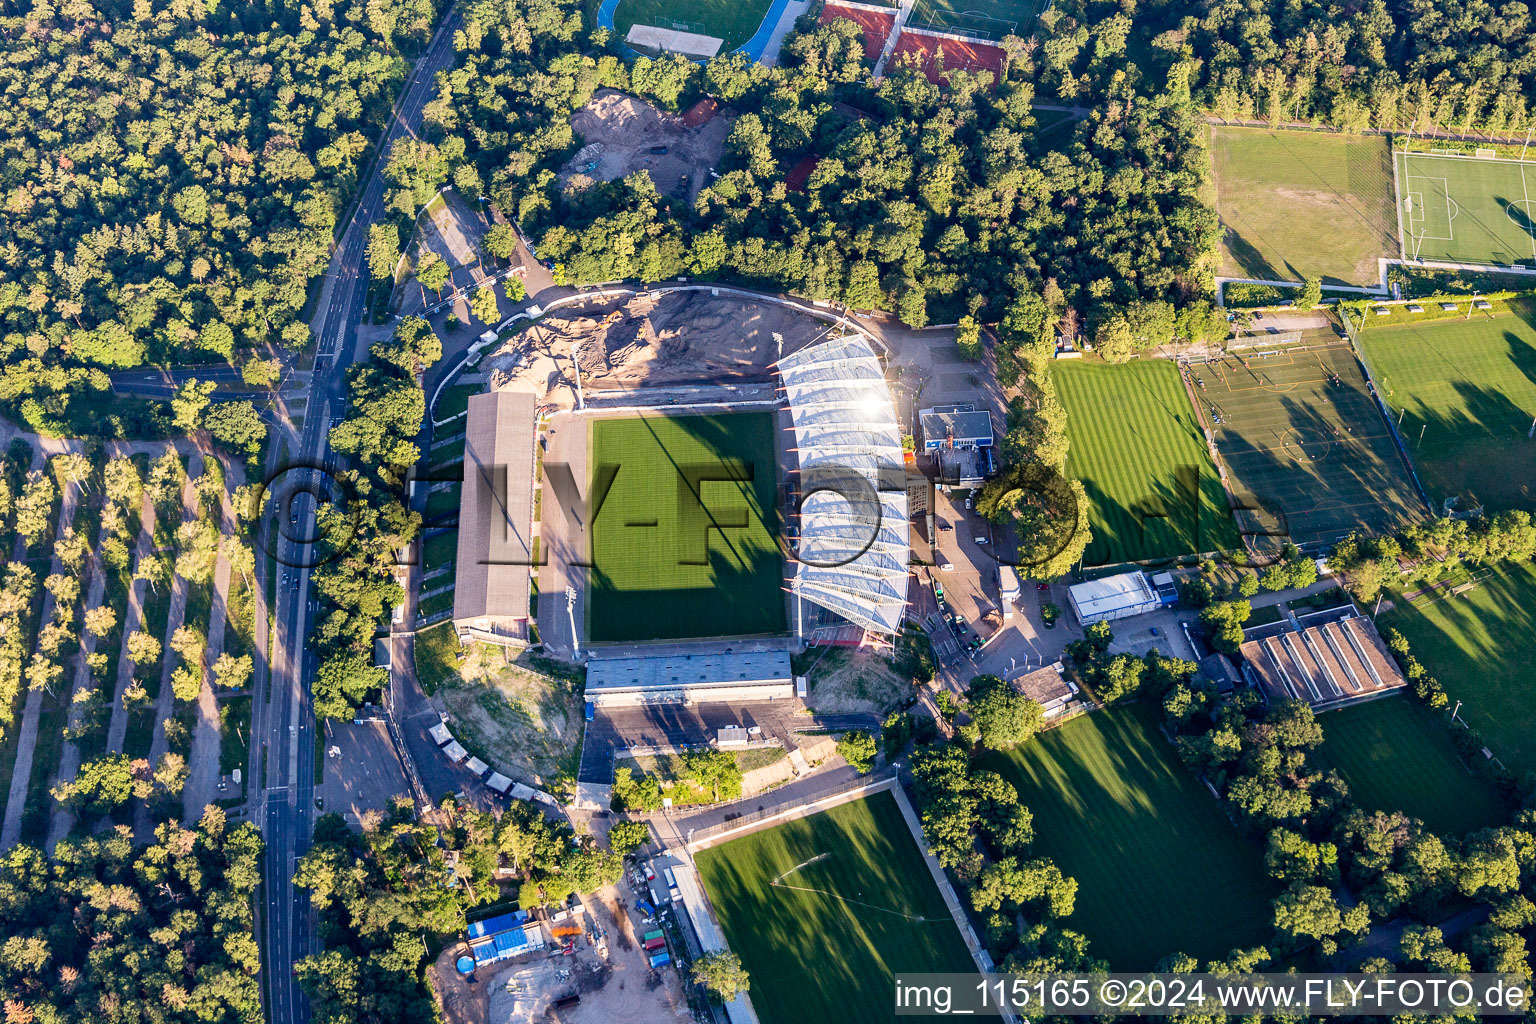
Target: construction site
pixel 650 339
pixel 621 135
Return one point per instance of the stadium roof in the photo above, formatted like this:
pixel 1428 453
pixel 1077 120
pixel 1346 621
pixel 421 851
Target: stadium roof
pixel 491 570
pixel 853 519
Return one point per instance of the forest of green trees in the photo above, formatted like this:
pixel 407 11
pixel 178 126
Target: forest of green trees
pixel 171 174
pixel 106 930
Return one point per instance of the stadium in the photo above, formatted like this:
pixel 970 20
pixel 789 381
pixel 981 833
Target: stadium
pixel 692 528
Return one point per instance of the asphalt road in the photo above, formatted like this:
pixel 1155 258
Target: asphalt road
pixel 283 801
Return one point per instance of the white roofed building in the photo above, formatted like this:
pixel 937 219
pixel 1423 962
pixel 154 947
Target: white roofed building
pixel 1113 597
pixel 853 550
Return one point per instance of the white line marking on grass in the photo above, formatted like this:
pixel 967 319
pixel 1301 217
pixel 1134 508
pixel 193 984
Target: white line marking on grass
pixel 1526 209
pixel 780 883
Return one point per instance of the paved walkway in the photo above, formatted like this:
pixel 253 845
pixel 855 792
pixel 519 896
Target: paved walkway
pixel 202 786
pixel 63 819
pixel 165 704
pixel 26 740
pixel 117 728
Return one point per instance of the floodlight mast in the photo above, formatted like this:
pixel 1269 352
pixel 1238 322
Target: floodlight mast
pixel 570 612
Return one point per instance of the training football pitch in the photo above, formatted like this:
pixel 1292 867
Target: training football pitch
pixel 1139 452
pixel 826 910
pixel 1466 392
pixel 733 21
pixel 986 19
pixel 1481 646
pixel 1295 205
pixel 1396 757
pixel 1159 868
pixel 684 528
pixel 1466 210
pixel 1307 452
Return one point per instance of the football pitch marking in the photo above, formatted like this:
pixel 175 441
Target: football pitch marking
pixel 781 884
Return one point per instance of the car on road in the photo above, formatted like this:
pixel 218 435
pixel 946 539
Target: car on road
pixel 1042 586
pixel 945 527
pixel 979 540
pixel 967 504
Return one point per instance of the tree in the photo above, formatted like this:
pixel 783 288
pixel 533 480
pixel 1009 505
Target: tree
pixel 261 373
pixel 1005 717
pixel 100 620
pixel 626 837
pixel 1311 293
pixel 483 305
pixel 715 771
pixel 858 749
pixel 721 974
pixel 188 403
pixel 968 338
pixel 500 241
pixel 237 426
pixel 231 672
pixel 864 290
pixel 383 250
pixel 433 272
pixel 143 649
pixel 99 786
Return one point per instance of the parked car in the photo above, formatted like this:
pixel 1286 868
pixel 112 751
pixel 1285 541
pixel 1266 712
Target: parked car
pixel 947 567
pixel 967 503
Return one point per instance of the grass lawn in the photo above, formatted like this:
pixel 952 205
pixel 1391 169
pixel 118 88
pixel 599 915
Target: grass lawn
pixel 439 549
pixel 437 656
pixel 1140 453
pixel 812 954
pixel 455 400
pixel 1158 866
pixel 1303 204
pixel 1397 757
pixel 1466 391
pixel 989 19
pixel 1481 646
pixel 733 22
pixel 1466 211
pixel 684 542
pixel 1305 447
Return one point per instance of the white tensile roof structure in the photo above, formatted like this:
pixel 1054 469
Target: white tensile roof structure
pixel 853 518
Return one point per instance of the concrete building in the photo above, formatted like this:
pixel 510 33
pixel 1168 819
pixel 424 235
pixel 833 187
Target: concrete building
pixel 1113 597
pixel 955 426
pixel 1048 688
pixel 495 550
pixel 689 679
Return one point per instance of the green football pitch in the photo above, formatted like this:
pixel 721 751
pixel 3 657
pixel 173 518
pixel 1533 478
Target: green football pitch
pixel 1141 456
pixel 1159 867
pixel 986 19
pixel 1466 210
pixel 1308 454
pixel 1481 645
pixel 1466 394
pixel 1295 204
pixel 1396 757
pixel 730 20
pixel 684 532
pixel 826 910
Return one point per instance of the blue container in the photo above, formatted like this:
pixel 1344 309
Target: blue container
pixel 660 958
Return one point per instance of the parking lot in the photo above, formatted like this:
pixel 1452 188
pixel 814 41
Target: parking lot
pixel 374 775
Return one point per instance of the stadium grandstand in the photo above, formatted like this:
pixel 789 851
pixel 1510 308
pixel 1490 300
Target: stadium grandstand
pixel 853 548
pixel 1325 663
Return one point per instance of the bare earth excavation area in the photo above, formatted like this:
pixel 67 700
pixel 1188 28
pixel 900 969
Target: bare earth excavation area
pixel 622 134
pixel 687 337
